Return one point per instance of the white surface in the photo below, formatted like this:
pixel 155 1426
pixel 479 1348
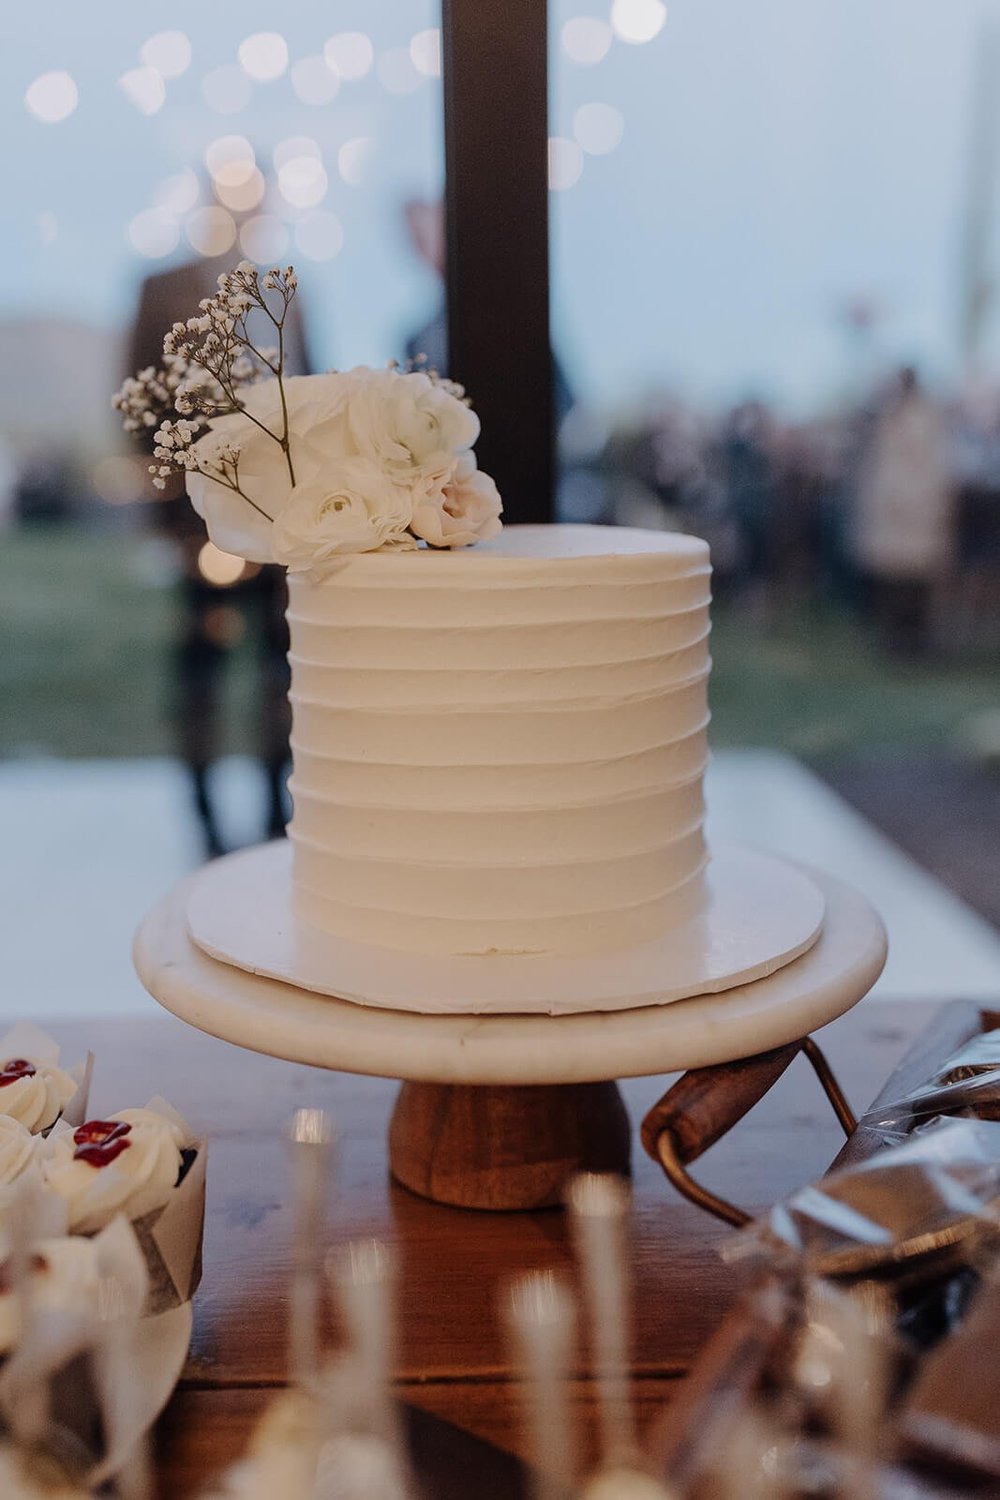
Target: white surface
pixel 286 1022
pixel 758 913
pixel 88 846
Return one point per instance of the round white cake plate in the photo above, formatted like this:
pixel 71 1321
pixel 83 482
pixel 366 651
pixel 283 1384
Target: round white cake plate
pixel 759 913
pixel 497 1111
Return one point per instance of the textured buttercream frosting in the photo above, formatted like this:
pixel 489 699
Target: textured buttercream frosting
pixel 500 749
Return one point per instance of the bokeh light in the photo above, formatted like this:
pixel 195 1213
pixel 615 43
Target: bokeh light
pixel 565 163
pixel 353 158
pixel 119 478
pixel 52 97
pixel 263 56
pixel 231 160
pixel 177 194
pixel 302 182
pixel 227 90
pixel 396 72
pixel 144 87
pixel 350 54
pixel 169 52
pixel 210 231
pixel 241 197
pixel 218 567
pixel 319 236
pixel 638 21
pixel 294 146
pixel 264 239
pixel 586 40
pixel 48 227
pixel 153 233
pixel 314 81
pixel 425 52
pixel 598 128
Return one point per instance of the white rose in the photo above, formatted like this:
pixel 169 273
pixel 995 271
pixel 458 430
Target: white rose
pixel 102 1169
pixel 464 510
pixel 34 1092
pixel 318 435
pixel 354 507
pixel 410 425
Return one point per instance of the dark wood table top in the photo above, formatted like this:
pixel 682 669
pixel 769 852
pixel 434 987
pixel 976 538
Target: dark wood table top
pixel 453 1367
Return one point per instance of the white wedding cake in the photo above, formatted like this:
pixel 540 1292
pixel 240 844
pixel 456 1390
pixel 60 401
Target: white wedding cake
pixel 500 749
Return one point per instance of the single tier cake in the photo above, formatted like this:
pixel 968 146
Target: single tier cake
pixel 500 749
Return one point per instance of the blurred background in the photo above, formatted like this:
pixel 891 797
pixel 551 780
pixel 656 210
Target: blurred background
pixel 775 257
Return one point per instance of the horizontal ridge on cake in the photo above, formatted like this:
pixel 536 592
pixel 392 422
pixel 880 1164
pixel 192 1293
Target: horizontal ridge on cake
pixel 500 749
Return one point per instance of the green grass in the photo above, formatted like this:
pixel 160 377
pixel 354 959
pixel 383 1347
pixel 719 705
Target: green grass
pixel 84 641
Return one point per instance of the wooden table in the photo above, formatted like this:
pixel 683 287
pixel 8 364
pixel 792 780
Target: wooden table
pixel 453 1364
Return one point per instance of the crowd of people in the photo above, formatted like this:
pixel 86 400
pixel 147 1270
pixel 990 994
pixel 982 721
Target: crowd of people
pixel 891 506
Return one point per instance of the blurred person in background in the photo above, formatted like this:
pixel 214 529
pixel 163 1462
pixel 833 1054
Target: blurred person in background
pixel 221 599
pixel 902 529
pixel 748 443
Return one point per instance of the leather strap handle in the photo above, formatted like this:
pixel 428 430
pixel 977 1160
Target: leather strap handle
pixel 704 1104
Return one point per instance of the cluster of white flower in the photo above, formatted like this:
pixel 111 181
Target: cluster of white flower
pixel 355 461
pixel 143 397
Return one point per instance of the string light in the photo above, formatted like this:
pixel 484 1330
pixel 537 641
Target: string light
pixel 638 21
pixel 264 239
pixel 169 52
pixel 211 231
pixel 218 567
pixel 349 54
pixel 353 158
pixel 425 52
pixel 153 233
pixel 313 80
pixel 586 40
pixel 565 163
pixel 263 56
pixel 303 182
pixel 231 160
pixel 52 97
pixel 144 87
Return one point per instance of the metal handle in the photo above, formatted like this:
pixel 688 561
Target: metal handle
pixel 703 1105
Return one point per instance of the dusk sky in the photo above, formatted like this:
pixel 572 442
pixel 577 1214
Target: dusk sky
pixel 777 159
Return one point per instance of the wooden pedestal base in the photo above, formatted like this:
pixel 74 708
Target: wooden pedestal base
pixel 501 1147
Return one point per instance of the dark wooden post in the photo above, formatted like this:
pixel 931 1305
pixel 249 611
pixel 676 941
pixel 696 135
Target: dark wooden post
pixel 496 132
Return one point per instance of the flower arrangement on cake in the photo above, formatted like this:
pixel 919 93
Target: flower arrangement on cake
pixel 302 469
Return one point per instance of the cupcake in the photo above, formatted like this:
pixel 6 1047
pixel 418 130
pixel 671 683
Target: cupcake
pixel 18 1154
pixel 33 1476
pixel 63 1275
pixel 34 1089
pixel 129 1163
pixel 145 1166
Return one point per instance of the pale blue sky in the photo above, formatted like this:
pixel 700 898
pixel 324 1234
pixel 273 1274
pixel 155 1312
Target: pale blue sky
pixel 778 157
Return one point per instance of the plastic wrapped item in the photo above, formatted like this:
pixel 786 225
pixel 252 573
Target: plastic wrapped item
pixel 952 1411
pixel 979 1055
pixel 967 1083
pixel 917 1209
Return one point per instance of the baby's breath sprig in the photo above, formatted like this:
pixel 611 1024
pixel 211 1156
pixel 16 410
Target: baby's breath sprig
pixel 208 362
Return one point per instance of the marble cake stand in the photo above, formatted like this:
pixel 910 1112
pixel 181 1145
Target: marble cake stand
pixel 497 1111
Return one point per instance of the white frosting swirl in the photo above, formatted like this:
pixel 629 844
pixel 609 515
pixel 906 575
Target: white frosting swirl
pixel 137 1180
pixel 37 1098
pixel 18 1150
